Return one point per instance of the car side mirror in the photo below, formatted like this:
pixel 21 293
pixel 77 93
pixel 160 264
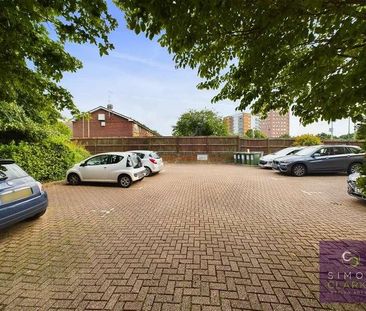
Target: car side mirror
pixel 316 155
pixel 83 164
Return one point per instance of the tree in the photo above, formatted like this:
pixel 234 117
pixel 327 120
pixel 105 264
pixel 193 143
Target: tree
pixel 324 136
pixel 255 134
pixel 347 136
pixel 200 123
pixel 361 130
pixel 267 54
pixel 307 140
pixel 33 58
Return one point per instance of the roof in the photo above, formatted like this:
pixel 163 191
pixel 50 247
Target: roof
pixel 125 117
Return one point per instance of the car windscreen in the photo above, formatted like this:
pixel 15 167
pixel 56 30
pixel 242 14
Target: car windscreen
pixel 11 171
pixel 307 151
pixel 284 152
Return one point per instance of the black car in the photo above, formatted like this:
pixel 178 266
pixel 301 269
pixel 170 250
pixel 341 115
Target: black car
pixel 321 159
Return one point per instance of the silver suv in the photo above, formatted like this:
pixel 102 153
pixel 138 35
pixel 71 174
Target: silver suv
pixel 321 159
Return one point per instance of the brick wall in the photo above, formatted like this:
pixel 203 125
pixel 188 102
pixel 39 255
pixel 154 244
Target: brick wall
pixel 115 126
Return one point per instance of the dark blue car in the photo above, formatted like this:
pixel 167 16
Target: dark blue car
pixel 21 197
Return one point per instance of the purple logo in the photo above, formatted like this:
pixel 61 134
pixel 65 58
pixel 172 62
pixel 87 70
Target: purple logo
pixel 342 271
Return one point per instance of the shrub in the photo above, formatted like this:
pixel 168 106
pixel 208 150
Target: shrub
pixel 46 160
pixel 307 140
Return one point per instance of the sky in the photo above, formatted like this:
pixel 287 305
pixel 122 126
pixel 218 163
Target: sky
pixel 140 80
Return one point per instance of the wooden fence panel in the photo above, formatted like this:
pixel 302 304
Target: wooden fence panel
pixel 190 146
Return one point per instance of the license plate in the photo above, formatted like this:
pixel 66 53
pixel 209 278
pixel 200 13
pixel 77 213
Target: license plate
pixel 12 196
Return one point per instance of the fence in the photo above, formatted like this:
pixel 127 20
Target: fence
pixel 186 148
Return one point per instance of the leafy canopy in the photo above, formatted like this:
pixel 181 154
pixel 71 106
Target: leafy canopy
pixel 33 58
pixel 254 133
pixel 271 54
pixel 200 123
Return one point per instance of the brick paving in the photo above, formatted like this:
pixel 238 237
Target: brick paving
pixel 195 237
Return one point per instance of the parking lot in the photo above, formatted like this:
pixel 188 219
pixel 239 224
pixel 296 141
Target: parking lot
pixel 194 237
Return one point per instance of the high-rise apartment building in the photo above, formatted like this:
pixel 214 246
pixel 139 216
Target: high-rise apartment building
pixel 275 125
pixel 239 123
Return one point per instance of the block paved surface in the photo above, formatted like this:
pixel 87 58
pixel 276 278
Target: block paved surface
pixel 195 237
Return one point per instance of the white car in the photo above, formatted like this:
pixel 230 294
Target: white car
pixel 353 190
pixel 121 167
pixel 266 161
pixel 152 162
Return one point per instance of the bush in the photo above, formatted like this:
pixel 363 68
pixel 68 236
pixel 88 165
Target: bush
pixel 46 160
pixel 307 140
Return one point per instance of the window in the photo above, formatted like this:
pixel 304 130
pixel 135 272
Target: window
pixel 338 150
pixel 134 161
pixel 114 159
pixel 98 160
pixel 11 171
pixel 324 152
pixel 141 155
pixel 154 155
pixel 353 150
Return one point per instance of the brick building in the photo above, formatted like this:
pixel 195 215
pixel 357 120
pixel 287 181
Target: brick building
pixel 238 123
pixel 104 122
pixel 275 125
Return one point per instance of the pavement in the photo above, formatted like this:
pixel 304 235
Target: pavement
pixel 194 237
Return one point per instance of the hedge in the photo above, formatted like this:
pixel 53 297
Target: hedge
pixel 47 160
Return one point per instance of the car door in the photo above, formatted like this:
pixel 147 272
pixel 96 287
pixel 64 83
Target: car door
pixel 94 169
pixel 320 160
pixel 338 159
pixel 114 166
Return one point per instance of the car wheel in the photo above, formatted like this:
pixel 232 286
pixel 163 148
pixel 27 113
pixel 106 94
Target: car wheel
pixel 73 179
pixel 148 171
pixel 299 170
pixel 353 168
pixel 37 215
pixel 124 181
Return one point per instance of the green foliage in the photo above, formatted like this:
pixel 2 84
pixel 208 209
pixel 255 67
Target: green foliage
pixel 255 134
pixel 285 136
pixel 267 54
pixel 45 156
pixel 347 137
pixel 361 181
pixel 307 140
pixel 47 160
pixel 324 136
pixel 32 61
pixel 200 123
pixel 361 131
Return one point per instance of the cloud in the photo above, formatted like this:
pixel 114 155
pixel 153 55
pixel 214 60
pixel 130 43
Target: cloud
pixel 143 61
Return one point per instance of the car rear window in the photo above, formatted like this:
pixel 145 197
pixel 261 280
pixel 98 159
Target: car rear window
pixel 11 171
pixel 154 155
pixel 134 161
